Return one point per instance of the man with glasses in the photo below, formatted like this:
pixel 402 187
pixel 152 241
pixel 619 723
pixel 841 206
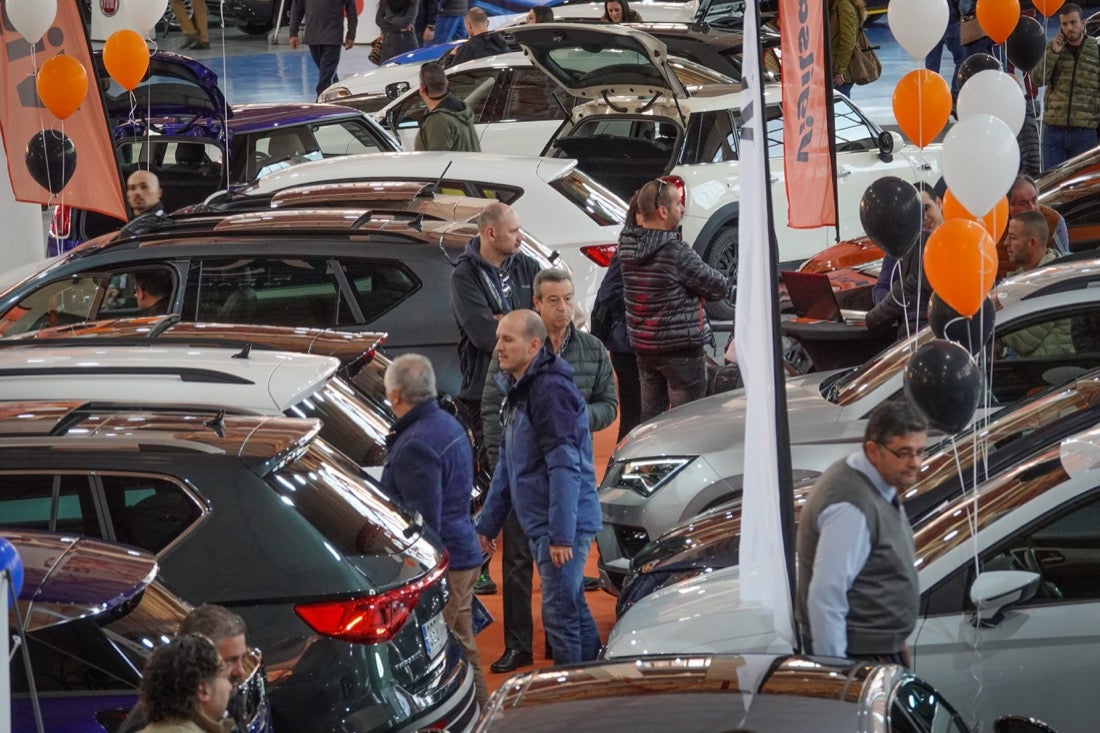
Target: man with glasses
pixel 492 278
pixel 664 285
pixel 857 582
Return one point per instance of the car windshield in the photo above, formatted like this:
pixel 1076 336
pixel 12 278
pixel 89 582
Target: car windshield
pixel 875 372
pixel 348 422
pixel 345 505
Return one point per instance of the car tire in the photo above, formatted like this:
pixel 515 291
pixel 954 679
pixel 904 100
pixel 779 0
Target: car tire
pixel 721 254
pixel 255 29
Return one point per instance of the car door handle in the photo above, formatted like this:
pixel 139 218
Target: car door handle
pixel 843 172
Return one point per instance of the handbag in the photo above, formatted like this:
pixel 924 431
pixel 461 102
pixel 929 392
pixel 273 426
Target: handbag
pixel 865 66
pixel 970 30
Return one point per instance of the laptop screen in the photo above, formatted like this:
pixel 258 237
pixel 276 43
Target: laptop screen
pixel 811 295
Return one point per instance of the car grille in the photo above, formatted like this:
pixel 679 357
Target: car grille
pixel 631 539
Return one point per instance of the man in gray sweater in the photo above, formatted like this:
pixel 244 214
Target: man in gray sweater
pixel 858 595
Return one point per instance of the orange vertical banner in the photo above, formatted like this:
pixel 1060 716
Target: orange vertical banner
pixel 96 183
pixel 807 161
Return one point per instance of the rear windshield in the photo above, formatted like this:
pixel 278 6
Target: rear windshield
pixel 601 206
pixel 348 422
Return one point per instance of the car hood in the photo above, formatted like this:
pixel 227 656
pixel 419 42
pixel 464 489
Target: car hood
pixel 720 620
pixel 718 423
pixel 593 62
pixel 175 86
pixel 68 578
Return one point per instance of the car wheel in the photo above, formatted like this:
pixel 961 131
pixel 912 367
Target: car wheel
pixel 721 254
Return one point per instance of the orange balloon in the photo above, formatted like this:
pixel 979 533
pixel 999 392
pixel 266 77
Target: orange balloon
pixel 998 18
pixel 995 220
pixel 62 84
pixel 126 57
pixel 1048 7
pixel 960 260
pixel 922 104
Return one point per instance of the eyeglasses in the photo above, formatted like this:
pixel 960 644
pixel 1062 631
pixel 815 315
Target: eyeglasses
pixel 661 183
pixel 906 454
pixel 505 284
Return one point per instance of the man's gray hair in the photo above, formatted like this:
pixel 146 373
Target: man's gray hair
pixel 492 215
pixel 893 419
pixel 412 375
pixel 552 275
pixel 214 622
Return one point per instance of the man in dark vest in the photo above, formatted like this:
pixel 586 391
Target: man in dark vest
pixel 858 595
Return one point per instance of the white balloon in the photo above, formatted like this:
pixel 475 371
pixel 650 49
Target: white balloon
pixel 979 159
pixel 144 14
pixel 32 18
pixel 996 93
pixel 917 25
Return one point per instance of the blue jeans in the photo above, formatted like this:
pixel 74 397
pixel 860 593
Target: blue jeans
pixel 950 41
pixel 449 28
pixel 565 615
pixel 669 381
pixel 1062 143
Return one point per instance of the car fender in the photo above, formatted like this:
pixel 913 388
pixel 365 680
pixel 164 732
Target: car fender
pixel 725 216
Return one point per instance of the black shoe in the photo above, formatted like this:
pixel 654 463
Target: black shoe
pixel 200 45
pixel 591 583
pixel 485 586
pixel 510 661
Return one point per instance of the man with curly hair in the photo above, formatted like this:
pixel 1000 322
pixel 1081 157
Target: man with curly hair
pixel 185 688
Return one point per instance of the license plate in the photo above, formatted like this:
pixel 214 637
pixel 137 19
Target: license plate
pixel 435 635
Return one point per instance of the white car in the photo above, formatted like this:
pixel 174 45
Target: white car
pixel 558 204
pixel 691 459
pixel 1036 649
pixel 641 122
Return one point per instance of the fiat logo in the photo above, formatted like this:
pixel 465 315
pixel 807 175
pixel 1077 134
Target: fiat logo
pixel 109 7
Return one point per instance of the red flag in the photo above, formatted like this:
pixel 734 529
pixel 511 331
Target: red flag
pixel 807 163
pixel 96 183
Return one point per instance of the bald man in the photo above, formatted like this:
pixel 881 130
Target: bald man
pixel 143 193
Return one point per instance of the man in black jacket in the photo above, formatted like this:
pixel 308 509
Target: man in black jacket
pixel 665 283
pixel 482 43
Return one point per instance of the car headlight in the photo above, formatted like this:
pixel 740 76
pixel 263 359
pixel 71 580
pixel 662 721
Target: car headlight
pixel 334 93
pixel 647 475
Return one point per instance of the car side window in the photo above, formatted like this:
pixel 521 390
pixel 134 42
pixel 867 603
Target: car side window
pixel 473 88
pixel 148 512
pixel 58 303
pixel 1026 354
pixel 774 122
pixel 1063 549
pixel 717 143
pixel 49 502
pixel 279 291
pixel 918 708
pixel 346 137
pixel 533 96
pixel 379 285
pixel 853 134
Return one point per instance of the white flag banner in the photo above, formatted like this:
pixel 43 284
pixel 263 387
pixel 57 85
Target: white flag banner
pixel 762 558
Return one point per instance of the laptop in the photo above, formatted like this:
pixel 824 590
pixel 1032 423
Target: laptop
pixel 812 296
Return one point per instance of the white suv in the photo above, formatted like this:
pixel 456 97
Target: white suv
pixel 640 122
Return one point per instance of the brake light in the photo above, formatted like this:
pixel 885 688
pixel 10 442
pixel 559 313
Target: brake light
pixel 681 188
pixel 371 619
pixel 601 254
pixel 59 222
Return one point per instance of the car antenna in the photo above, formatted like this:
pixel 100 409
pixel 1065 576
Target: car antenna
pixel 217 424
pixel 434 189
pixel 417 223
pixel 165 323
pixel 243 353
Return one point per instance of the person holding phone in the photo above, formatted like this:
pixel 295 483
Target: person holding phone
pixel 1071 73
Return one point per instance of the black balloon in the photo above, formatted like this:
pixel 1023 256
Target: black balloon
pixel 974 64
pixel 1027 44
pixel 51 159
pixel 891 214
pixel 944 382
pixel 971 333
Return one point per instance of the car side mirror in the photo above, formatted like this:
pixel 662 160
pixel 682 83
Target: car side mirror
pixel 887 143
pixel 996 590
pixel 1020 724
pixel 396 89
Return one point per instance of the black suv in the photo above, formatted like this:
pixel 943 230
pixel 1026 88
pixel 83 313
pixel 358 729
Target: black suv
pixel 349 270
pixel 342 591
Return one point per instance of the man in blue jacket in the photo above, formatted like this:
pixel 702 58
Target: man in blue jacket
pixel 429 469
pixel 545 474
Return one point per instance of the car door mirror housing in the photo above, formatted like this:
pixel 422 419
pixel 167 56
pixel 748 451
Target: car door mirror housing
pixel 1020 724
pixel 396 89
pixel 888 142
pixel 996 590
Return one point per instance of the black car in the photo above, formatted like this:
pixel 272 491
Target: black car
pixel 342 591
pixel 349 270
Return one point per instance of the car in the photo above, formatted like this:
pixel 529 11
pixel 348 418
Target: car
pixel 204 379
pixel 332 268
pixel 341 589
pixel 639 123
pixel 180 99
pixel 561 207
pixel 702 693
pixel 689 459
pixel 1009 597
pixel 712 540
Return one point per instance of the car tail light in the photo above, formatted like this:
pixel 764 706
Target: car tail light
pixel 601 254
pixel 680 186
pixel 59 222
pixel 370 619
